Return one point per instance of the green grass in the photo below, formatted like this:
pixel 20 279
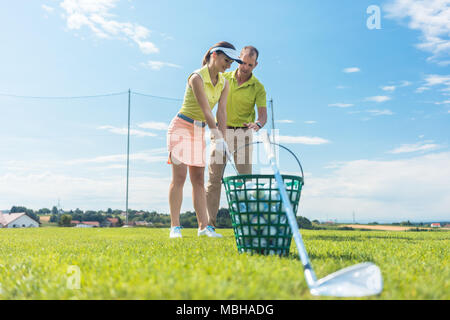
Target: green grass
pixel 140 263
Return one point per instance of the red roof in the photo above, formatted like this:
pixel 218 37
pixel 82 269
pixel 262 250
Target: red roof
pixel 113 220
pixel 435 224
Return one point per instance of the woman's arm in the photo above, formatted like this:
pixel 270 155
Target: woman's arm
pixel 196 83
pixel 222 109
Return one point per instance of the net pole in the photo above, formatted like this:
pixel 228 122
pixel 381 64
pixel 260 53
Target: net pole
pixel 273 124
pixel 128 154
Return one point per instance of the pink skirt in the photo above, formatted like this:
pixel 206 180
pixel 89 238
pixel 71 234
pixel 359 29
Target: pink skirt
pixel 186 143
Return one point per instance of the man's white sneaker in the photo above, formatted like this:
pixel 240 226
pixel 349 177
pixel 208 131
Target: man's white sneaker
pixel 210 232
pixel 175 232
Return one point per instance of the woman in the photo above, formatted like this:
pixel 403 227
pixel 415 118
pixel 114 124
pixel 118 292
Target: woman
pixel 186 134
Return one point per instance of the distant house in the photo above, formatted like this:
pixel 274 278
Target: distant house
pixel 435 225
pixel 88 224
pixel 111 222
pixel 17 220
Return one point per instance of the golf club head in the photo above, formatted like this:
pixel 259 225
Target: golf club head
pixel 360 280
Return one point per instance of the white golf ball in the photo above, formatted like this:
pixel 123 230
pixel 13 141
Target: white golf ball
pixel 282 230
pixel 263 194
pixel 274 195
pixel 258 219
pixel 242 207
pixel 280 242
pixel 274 207
pixel 259 242
pixel 263 207
pixel 269 231
pixel 294 196
pixel 241 195
pixel 244 218
pixel 252 207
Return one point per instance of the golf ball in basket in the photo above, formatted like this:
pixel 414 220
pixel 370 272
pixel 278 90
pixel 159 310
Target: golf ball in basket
pixel 244 218
pixel 274 195
pixel 246 231
pixel 259 242
pixel 241 195
pixel 254 219
pixel 280 242
pixel 269 231
pixel 252 207
pixel 263 207
pixel 294 195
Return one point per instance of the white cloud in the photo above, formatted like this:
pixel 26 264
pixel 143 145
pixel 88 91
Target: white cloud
pixel 48 9
pixel 341 105
pixel 422 89
pixel 435 79
pixel 158 65
pixel 378 98
pixel 121 158
pixel 385 112
pixel 443 102
pixel 417 147
pixel 310 122
pixel 413 189
pixel 154 125
pixel 351 70
pixel 389 88
pixel 432 80
pixel 95 14
pixel 124 131
pixel 405 83
pixel 284 121
pixel 302 140
pixel 431 18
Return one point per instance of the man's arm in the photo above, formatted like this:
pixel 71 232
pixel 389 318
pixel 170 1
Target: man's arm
pixel 262 119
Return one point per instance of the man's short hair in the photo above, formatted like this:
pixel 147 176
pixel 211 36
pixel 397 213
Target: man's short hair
pixel 252 50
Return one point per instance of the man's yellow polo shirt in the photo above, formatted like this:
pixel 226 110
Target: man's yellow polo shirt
pixel 191 107
pixel 242 99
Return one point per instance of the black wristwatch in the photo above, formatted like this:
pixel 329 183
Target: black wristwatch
pixel 258 124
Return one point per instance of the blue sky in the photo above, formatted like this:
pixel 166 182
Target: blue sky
pixel 365 109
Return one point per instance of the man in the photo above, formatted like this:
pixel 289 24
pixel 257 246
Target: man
pixel 245 92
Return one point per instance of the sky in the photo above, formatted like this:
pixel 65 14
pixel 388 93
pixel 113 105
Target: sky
pixel 360 90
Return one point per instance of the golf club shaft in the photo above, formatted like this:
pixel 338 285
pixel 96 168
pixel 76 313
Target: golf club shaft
pixel 309 272
pixel 231 159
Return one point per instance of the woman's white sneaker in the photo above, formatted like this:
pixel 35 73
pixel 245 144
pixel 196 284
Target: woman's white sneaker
pixel 210 232
pixel 175 232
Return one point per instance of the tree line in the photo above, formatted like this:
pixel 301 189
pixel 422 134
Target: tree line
pixel 188 219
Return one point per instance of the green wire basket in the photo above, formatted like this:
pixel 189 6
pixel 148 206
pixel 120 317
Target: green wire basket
pixel 257 213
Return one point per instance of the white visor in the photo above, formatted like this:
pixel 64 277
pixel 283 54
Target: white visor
pixel 230 53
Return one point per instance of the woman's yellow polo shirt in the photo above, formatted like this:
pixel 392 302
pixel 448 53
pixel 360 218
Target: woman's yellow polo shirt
pixel 191 107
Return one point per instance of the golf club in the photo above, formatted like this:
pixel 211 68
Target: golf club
pixel 360 280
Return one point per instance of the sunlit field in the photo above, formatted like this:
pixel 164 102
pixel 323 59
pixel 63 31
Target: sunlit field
pixel 143 263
